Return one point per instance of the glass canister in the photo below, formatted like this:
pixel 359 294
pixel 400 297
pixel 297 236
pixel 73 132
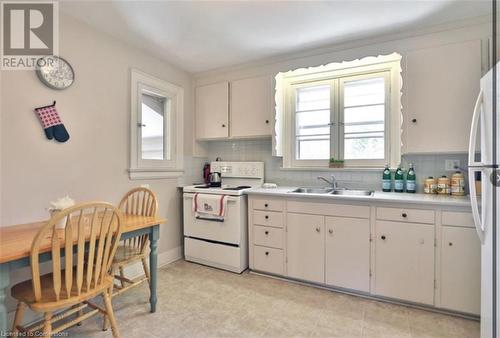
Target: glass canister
pixel 430 185
pixel 443 185
pixel 457 185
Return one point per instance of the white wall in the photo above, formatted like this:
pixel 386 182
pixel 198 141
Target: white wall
pixel 93 164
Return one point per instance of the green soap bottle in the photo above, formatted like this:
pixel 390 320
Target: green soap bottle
pixel 399 180
pixel 411 180
pixel 387 179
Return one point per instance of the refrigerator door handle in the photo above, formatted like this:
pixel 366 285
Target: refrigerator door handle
pixel 473 131
pixel 474 204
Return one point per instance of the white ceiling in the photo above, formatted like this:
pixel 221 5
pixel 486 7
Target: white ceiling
pixel 202 35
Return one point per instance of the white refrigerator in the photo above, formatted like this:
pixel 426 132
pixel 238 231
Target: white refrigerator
pixel 484 156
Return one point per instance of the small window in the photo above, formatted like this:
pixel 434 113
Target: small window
pixel 153 130
pixel 156 128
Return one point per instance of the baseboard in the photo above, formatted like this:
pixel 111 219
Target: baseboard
pixel 133 271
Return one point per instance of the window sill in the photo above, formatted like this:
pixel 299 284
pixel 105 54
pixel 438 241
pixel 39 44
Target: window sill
pixel 153 173
pixel 333 169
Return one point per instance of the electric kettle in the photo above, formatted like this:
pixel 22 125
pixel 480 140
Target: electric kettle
pixel 215 179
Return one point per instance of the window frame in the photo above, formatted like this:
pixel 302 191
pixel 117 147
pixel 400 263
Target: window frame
pixel 172 165
pixel 388 66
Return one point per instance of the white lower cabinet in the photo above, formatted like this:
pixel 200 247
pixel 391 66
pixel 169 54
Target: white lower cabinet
pixel 460 280
pixel 348 253
pixel 305 238
pixel 329 243
pixel 404 261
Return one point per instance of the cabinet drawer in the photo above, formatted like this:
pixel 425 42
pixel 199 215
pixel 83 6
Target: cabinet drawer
pixel 267 236
pixel 268 260
pixel 267 204
pixel 268 218
pixel 459 219
pixel 406 215
pixel 329 209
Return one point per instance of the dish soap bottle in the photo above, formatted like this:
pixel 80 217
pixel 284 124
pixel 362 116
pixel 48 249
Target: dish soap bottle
pixel 386 179
pixel 399 182
pixel 411 180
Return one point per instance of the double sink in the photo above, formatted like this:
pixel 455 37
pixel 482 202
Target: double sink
pixel 332 191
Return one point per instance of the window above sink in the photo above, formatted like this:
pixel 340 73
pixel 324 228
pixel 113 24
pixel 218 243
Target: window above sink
pixel 348 111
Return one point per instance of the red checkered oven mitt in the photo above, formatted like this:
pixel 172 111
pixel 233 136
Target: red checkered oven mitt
pixel 52 124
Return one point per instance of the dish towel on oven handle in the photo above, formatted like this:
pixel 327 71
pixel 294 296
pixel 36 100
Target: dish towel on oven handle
pixel 209 206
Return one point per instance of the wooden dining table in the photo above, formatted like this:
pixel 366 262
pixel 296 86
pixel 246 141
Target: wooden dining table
pixel 15 247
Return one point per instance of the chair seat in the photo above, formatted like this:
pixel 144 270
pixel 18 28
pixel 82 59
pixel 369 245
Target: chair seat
pixel 24 292
pixel 126 253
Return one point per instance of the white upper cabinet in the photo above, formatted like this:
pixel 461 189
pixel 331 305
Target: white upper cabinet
pixel 212 111
pixel 440 88
pixel 251 107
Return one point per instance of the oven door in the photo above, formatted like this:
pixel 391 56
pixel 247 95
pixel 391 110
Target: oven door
pixel 226 231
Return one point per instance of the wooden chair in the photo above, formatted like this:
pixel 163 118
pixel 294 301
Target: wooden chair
pixel 142 202
pixel 90 237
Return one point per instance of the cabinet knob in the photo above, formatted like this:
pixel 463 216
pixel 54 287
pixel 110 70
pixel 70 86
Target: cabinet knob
pixel 267 253
pixel 414 120
pixel 267 121
pixel 266 217
pixel 404 215
pixel 318 229
pixel 266 205
pixel 382 237
pixel 450 244
pixel 330 231
pixel 223 126
pixel 266 232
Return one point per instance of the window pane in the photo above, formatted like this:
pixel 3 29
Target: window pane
pixel 313 98
pixel 152 130
pixel 364 148
pixel 313 149
pixel 364 119
pixel 312 123
pixel 363 92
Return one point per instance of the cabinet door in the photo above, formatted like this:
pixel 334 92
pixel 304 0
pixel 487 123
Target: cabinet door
pixel 348 253
pixel 251 107
pixel 306 247
pixel 460 270
pixel 441 86
pixel 212 111
pixel 404 261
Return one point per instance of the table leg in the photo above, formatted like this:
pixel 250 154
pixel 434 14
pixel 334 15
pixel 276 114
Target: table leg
pixel 154 234
pixel 4 285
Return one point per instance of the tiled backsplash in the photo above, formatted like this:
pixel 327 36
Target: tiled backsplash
pixel 260 150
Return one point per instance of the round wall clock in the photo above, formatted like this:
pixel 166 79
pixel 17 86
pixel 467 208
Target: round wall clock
pixel 55 72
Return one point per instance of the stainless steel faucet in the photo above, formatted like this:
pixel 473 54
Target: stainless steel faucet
pixel 332 182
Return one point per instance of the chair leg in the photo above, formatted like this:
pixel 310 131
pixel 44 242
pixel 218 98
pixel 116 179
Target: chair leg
pixel 146 269
pixel 105 321
pixel 18 317
pixel 110 314
pixel 47 325
pixel 122 275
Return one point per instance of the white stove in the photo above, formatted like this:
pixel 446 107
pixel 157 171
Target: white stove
pixel 222 243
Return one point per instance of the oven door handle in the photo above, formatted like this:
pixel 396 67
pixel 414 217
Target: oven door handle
pixel 209 219
pixel 228 198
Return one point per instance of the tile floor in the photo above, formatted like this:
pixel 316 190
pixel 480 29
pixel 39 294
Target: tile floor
pixel 197 301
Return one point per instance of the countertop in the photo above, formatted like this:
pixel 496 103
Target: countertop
pixel 377 196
